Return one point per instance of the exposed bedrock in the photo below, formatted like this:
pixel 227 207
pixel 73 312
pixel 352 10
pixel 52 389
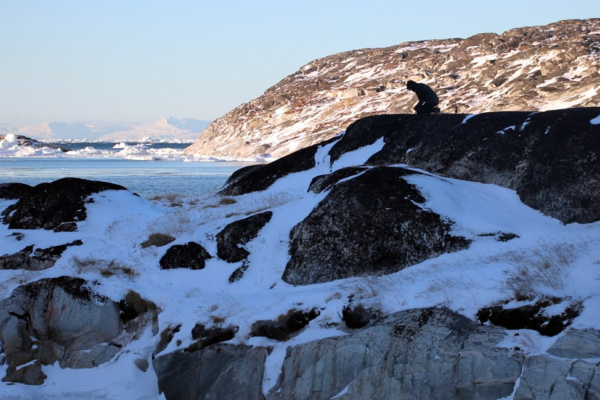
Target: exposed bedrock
pixel 414 354
pixel 216 372
pixel 425 354
pixel 550 158
pixel 50 205
pixel 369 225
pixel 62 319
pixel 239 233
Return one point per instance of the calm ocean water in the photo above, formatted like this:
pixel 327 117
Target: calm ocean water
pixel 146 178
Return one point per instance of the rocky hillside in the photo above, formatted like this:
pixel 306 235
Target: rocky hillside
pixel 525 69
pixel 430 257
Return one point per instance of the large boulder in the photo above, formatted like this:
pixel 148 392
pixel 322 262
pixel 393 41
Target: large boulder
pixel 216 372
pixel 369 225
pixel 432 354
pixel 49 205
pixel 190 255
pixel 63 319
pixel 549 158
pixel 239 233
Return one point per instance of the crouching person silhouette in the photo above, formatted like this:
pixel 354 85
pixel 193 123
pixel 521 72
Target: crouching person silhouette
pixel 427 98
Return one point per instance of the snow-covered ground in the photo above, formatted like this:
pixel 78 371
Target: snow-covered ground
pixel 118 222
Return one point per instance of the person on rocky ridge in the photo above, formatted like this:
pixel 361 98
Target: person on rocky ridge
pixel 427 98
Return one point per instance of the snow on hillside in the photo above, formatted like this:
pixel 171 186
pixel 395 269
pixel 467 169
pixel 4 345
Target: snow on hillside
pixel 524 69
pixel 464 281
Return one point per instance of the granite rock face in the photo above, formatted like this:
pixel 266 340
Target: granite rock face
pixel 372 224
pixel 534 68
pixel 62 319
pixel 216 372
pixel 414 354
pixel 563 374
pixel 49 205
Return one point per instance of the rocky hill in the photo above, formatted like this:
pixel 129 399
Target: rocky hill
pixel 525 69
pixel 416 256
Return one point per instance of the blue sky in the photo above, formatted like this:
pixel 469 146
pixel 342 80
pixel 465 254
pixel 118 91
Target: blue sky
pixel 139 61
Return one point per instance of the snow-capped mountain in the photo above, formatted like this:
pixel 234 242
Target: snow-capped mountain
pixel 186 129
pixel 525 69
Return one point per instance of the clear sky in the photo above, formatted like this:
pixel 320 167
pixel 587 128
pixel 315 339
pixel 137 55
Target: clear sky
pixel 139 61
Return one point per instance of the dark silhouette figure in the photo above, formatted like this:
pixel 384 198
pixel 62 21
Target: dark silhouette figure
pixel 427 97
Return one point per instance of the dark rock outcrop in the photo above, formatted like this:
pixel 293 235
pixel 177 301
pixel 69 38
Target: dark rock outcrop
pixel 283 327
pixel 550 158
pixel 221 371
pixel 357 316
pixel 13 190
pixel 372 224
pixel 422 354
pixel 239 233
pixel 257 178
pixel 48 205
pixel 532 316
pixel 41 258
pixel 190 255
pixel 205 337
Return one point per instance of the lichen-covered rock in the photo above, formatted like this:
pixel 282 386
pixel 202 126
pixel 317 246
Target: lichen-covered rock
pixel 216 372
pixel 432 354
pixel 239 233
pixel 371 224
pixel 41 258
pixel 190 255
pixel 48 205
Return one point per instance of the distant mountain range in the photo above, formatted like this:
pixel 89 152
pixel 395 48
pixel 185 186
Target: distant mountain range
pixel 185 129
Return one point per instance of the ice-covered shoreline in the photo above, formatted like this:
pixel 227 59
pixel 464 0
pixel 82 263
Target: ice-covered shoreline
pixel 12 146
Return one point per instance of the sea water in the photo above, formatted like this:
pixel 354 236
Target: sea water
pixel 173 174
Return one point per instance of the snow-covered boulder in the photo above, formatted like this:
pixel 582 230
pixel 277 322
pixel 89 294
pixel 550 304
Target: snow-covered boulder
pixel 49 205
pixel 373 224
